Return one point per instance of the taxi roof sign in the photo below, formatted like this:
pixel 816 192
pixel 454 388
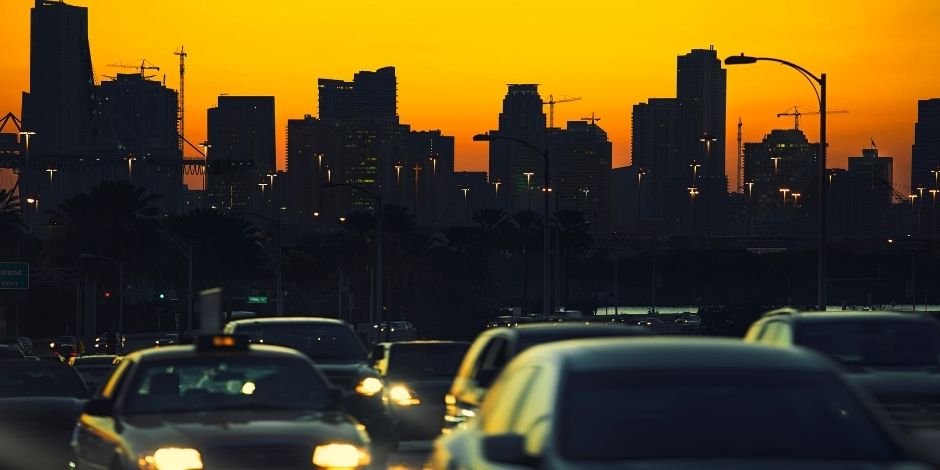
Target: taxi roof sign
pixel 222 342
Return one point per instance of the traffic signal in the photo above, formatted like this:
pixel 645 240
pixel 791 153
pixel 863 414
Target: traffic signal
pixel 162 296
pixel 107 294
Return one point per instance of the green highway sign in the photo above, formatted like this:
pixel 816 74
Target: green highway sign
pixel 257 299
pixel 14 275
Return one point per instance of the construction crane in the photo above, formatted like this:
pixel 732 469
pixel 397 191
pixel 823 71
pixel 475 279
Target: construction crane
pixel 551 107
pixel 740 182
pixel 143 66
pixel 897 195
pixel 180 114
pixel 796 113
pixel 593 118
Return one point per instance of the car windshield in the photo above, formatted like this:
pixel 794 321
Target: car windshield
pixel 415 361
pixel 213 383
pixel 29 379
pixel 95 374
pixel 874 343
pixel 620 415
pixel 319 341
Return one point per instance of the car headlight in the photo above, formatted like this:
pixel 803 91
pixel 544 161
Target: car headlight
pixel 400 395
pixel 369 386
pixel 340 456
pixel 172 458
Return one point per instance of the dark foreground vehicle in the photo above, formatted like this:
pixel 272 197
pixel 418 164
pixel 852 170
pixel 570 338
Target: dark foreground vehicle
pixel 674 404
pixel 219 404
pixel 39 403
pixel 95 369
pixel 338 352
pixel 417 375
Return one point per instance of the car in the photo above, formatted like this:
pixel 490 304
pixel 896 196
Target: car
pixel 166 339
pixel 338 352
pixel 688 322
pixel 39 403
pixel 658 403
pixel 95 369
pixel 418 374
pixel 896 356
pixel 23 343
pixel 219 403
pixel 495 347
pixel 64 347
pixel 102 343
pixel 650 322
pixel 11 352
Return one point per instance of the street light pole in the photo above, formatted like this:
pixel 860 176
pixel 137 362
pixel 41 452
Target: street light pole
pixel 546 190
pixel 821 301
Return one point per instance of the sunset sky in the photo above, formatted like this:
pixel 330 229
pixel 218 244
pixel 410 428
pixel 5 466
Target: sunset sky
pixel 454 59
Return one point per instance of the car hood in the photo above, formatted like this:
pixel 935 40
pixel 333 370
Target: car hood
pixel 747 464
pixel 233 428
pixel 910 382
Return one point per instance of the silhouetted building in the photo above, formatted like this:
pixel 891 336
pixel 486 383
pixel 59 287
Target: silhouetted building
pixel 581 165
pixel 701 85
pixel 873 178
pixel 137 122
pixel 371 96
pixel 925 153
pixel 469 194
pixel 430 195
pixel 312 151
pixel 522 118
pixel 654 154
pixel 624 201
pixel 242 152
pixel 59 104
pixel 780 180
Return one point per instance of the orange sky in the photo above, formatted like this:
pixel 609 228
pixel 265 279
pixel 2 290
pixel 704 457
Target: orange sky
pixel 454 59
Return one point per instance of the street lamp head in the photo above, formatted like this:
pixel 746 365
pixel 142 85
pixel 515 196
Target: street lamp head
pixel 740 60
pixel 481 138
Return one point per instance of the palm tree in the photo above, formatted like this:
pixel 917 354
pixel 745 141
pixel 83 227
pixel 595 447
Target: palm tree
pixel 11 224
pixel 496 229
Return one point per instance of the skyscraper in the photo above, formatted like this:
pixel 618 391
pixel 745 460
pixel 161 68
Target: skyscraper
pixel 311 153
pixel 925 153
pixel 59 104
pixel 370 96
pixel 653 149
pixel 581 169
pixel 701 85
pixel 780 167
pixel 522 118
pixel 242 153
pixel 872 176
pixel 434 153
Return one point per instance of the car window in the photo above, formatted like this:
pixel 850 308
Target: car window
pixel 424 360
pixel 24 379
pixel 491 362
pixel 217 383
pixel 755 332
pixel 874 343
pixel 504 399
pixel 784 336
pixel 769 335
pixel 319 341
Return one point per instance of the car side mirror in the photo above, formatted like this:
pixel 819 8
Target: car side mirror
pixel 507 449
pixel 99 407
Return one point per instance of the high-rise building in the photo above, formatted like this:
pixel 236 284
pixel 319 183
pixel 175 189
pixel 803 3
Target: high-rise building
pixel 872 176
pixel 242 153
pixel 581 166
pixel 59 105
pixel 469 195
pixel 780 182
pixel 430 195
pixel 517 167
pixel 136 121
pixel 654 156
pixel 370 96
pixel 701 85
pixel 925 153
pixel 312 151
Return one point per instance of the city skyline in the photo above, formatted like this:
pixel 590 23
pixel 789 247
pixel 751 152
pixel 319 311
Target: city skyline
pixel 436 60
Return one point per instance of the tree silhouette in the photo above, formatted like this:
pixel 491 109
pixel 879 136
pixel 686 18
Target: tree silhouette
pixel 530 225
pixel 11 224
pixel 574 239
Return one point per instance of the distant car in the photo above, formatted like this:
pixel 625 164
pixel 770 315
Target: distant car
pixel 95 370
pixel 102 343
pixel 221 403
pixel 650 322
pixel 604 404
pixel 24 344
pixel 166 340
pixel 896 356
pixel 338 352
pixel 39 403
pixel 689 322
pixel 495 347
pixel 417 375
pixel 11 352
pixel 64 347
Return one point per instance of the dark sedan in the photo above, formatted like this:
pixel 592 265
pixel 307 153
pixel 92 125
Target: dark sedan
pixel 39 403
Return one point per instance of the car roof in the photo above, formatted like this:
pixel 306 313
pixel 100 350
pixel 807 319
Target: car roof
pixel 535 330
pixel 253 321
pixel 187 351
pixel 96 359
pixel 854 316
pixel 662 354
pixel 420 342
